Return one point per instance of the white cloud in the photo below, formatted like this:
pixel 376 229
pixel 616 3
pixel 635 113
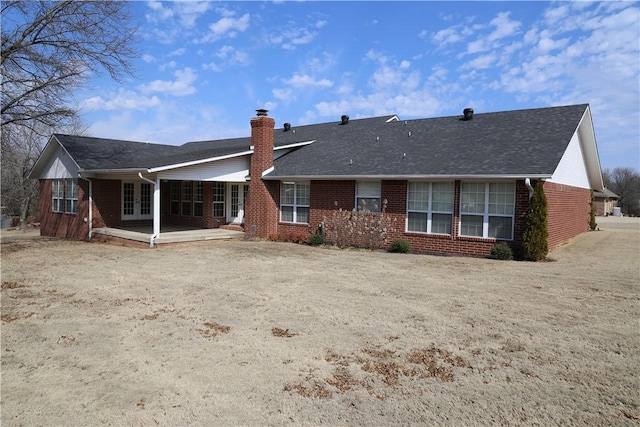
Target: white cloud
pixel 167 65
pixel 121 100
pixel 148 58
pixel 505 27
pixel 227 27
pixel 181 86
pixel 300 81
pixel 294 35
pixel 178 52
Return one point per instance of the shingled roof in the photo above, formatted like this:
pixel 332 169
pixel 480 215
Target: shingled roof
pixel 512 143
pixel 509 144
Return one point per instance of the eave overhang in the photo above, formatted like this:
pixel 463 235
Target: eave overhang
pixel 406 177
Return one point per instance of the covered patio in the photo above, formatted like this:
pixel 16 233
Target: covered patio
pixel 168 234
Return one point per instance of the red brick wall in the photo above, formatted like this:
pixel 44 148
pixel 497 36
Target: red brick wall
pixel 261 206
pixel 107 202
pixel 568 212
pixel 327 197
pixel 58 224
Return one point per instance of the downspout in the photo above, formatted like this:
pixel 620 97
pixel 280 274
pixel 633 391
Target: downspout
pixel 90 204
pixel 155 233
pixel 527 182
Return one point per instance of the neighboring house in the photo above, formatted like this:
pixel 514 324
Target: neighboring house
pixel 452 185
pixel 604 201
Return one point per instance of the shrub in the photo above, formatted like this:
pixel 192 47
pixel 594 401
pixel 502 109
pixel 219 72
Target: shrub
pixel 501 251
pixel 315 239
pixel 535 245
pixel 400 246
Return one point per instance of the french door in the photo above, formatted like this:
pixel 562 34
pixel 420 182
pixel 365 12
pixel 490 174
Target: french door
pixel 237 196
pixel 137 200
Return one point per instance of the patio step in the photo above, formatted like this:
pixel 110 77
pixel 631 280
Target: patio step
pixel 233 227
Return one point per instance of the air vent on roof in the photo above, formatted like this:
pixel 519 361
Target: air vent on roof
pixel 468 113
pixel 344 120
pixel 287 127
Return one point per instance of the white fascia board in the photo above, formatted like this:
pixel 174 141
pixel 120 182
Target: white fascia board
pixel 297 144
pixel 198 162
pixel 404 177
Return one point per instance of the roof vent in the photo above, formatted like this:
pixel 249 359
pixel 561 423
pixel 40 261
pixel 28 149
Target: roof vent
pixel 261 112
pixel 344 120
pixel 468 113
pixel 287 127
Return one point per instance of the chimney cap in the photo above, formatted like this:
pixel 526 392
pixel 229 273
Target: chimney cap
pixel 261 112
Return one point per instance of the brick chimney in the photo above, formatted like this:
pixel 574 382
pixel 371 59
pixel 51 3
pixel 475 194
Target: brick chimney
pixel 261 208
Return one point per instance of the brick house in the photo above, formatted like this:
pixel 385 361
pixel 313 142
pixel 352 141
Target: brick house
pixel 451 185
pixel 605 201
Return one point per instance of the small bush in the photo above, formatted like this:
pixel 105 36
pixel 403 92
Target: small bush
pixel 400 246
pixel 315 239
pixel 501 251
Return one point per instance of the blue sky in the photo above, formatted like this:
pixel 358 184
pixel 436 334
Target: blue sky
pixel 206 66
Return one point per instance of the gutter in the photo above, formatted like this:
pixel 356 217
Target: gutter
pixel 527 182
pixel 90 204
pixel 154 235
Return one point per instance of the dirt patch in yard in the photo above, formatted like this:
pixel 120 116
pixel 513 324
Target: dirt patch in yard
pixel 265 333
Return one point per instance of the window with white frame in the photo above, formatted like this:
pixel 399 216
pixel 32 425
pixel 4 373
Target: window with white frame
pixel 57 194
pixel 487 209
pixel 71 196
pixel 368 196
pixel 294 202
pixel 430 207
pixel 197 199
pixel 218 199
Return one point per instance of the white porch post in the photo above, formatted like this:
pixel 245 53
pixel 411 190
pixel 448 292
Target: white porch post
pixel 156 208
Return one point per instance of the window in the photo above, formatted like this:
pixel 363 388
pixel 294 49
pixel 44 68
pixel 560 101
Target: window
pixel 197 199
pixel 57 195
pixel 218 199
pixel 186 198
pixel 487 209
pixel 294 202
pixel 174 198
pixel 368 197
pixel 64 194
pixel 430 207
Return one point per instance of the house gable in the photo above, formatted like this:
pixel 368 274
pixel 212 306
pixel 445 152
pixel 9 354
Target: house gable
pixel 54 163
pixel 580 163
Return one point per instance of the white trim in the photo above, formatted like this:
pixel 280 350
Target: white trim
pixel 271 169
pixel 294 145
pixel 198 162
pixel 404 177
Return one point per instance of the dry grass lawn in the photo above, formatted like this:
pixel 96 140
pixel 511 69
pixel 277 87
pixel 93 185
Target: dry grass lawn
pixel 263 333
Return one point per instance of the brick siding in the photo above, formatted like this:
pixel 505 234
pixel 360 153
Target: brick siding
pixel 59 224
pixel 569 209
pixel 261 206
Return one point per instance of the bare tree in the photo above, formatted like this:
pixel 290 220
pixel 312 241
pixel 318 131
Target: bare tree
pixel 20 147
pixel 625 182
pixel 50 48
